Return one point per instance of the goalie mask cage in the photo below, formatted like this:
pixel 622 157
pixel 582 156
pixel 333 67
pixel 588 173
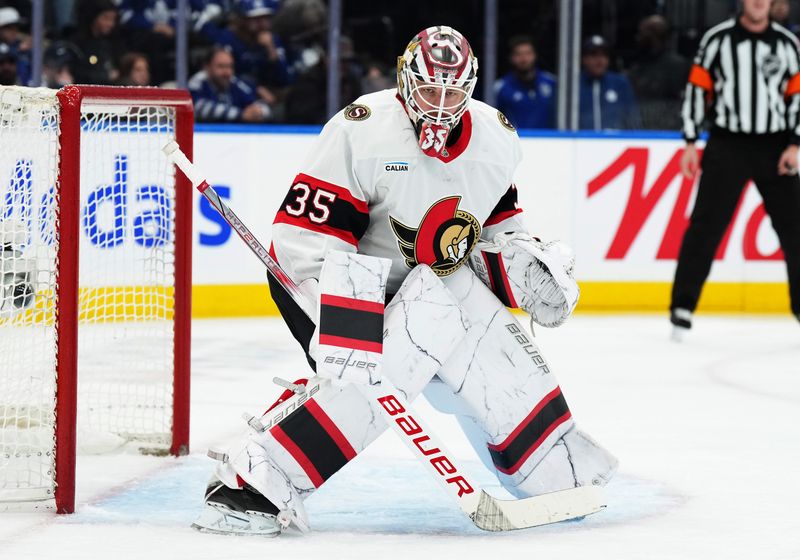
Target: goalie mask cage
pixel 94 349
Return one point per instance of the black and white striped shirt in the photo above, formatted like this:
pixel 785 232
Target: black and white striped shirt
pixel 749 82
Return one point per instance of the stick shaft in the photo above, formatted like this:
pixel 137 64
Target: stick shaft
pixel 194 175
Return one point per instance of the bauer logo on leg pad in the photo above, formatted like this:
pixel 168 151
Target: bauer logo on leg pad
pixel 522 339
pixel 281 410
pixel 350 363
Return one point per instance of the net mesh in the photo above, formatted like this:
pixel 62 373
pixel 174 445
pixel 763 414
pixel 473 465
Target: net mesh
pixel 28 245
pixel 126 285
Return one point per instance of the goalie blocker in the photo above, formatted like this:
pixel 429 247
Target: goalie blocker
pixel 456 333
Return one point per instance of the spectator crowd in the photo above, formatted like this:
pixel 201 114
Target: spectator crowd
pixel 648 95
pixel 243 70
pixel 260 61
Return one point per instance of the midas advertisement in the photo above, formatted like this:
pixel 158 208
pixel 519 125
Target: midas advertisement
pixel 631 209
pixel 620 203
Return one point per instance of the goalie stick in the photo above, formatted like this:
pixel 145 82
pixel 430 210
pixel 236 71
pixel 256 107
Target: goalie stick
pixel 485 511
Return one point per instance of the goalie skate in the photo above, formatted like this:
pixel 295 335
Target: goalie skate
pixel 228 511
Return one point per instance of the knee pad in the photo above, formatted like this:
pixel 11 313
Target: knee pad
pixel 359 341
pixel 423 327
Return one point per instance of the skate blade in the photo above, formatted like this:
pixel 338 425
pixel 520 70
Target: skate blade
pixel 210 531
pixel 217 519
pixel 679 334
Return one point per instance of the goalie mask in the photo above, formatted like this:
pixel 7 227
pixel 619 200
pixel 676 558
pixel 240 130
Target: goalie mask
pixel 435 79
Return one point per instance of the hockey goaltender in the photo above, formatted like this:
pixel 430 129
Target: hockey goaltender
pixel 403 231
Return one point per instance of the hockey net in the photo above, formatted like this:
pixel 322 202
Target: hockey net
pixel 94 258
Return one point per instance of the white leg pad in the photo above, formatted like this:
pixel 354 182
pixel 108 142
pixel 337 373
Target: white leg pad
pixel 510 392
pixel 575 460
pixel 347 344
pixel 423 326
pixel 266 477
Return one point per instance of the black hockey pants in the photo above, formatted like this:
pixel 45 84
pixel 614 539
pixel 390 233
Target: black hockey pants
pixel 729 161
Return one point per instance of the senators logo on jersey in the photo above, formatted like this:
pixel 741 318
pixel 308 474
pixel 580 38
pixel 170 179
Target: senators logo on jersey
pixel 356 112
pixel 443 240
pixel 505 122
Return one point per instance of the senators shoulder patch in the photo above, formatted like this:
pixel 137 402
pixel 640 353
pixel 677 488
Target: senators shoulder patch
pixel 356 112
pixel 505 122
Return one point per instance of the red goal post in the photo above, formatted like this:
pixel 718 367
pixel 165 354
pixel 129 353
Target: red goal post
pixel 120 285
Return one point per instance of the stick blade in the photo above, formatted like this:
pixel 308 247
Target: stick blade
pixel 493 514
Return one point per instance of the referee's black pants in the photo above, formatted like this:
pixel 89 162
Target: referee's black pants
pixel 729 161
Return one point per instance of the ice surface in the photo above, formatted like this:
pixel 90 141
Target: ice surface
pixel 707 433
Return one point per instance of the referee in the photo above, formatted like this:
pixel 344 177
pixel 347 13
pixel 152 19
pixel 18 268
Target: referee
pixel 745 80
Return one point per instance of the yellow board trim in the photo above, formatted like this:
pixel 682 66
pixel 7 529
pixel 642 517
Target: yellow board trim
pixel 241 300
pixel 717 297
pixel 254 300
pixel 596 297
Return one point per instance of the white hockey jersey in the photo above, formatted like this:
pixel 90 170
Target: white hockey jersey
pixel 367 187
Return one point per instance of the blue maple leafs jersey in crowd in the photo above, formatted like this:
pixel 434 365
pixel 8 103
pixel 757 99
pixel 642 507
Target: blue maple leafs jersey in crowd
pixel 528 104
pixel 607 103
pixel 214 105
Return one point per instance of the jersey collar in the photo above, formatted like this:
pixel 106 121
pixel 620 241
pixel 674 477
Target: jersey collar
pixel 449 153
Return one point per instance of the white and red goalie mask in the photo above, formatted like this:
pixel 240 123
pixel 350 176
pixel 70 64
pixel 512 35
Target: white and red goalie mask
pixel 435 77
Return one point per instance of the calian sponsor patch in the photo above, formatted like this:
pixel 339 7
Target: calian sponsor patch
pixel 395 166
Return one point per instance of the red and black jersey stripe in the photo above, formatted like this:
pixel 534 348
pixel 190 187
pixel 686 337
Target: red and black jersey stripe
pixel 551 412
pixel 506 207
pixel 326 208
pixel 314 441
pixel 351 323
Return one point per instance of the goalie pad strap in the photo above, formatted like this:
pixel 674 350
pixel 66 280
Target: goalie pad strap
pixel 288 393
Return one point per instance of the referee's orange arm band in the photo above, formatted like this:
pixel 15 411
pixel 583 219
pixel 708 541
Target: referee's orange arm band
pixel 793 86
pixel 700 77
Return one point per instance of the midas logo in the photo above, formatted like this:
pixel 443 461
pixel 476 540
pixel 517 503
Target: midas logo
pixel 643 199
pixel 413 430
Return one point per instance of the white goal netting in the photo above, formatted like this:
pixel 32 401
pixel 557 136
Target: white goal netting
pixel 126 285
